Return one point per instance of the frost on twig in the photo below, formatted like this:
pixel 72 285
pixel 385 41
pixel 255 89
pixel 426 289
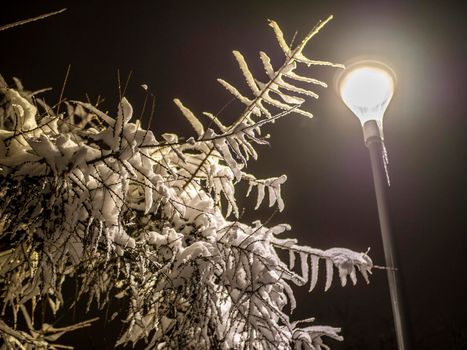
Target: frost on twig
pixel 29 20
pixel 92 196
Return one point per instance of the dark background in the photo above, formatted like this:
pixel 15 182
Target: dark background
pixel 179 49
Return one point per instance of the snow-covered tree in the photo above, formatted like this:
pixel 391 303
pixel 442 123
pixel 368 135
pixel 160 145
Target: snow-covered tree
pixel 154 222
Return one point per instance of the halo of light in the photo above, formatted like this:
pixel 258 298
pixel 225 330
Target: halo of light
pixel 366 88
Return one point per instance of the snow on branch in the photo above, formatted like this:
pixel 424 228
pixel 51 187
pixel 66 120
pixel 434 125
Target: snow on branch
pixel 93 196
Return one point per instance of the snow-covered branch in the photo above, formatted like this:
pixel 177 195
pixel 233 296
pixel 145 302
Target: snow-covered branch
pixel 93 196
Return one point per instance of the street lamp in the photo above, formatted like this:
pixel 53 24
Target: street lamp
pixel 367 88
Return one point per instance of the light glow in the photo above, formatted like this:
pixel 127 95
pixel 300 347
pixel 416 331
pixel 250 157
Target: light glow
pixel 367 89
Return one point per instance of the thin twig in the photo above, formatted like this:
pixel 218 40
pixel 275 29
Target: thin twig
pixel 33 19
pixel 60 99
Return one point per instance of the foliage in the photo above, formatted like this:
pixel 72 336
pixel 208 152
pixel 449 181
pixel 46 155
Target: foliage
pixel 98 198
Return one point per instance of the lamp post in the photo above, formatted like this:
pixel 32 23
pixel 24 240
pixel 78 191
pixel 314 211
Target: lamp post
pixel 367 88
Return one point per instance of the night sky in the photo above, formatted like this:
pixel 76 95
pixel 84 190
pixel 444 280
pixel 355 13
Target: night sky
pixel 179 48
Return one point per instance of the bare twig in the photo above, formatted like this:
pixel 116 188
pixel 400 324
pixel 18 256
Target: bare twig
pixel 60 99
pixel 29 20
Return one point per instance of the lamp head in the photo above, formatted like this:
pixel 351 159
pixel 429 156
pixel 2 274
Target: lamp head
pixel 366 88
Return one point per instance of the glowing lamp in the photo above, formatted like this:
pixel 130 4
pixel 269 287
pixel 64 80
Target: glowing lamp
pixel 366 89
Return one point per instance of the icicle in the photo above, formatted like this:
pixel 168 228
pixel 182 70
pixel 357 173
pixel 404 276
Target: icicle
pixel 290 295
pixel 342 275
pixel 329 273
pixel 260 196
pixel 304 262
pixel 291 259
pixel 385 162
pixel 148 195
pixel 314 271
pixel 250 187
pixel 280 201
pixel 272 196
pixel 353 275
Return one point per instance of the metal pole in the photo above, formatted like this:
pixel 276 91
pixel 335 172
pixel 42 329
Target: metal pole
pixel 374 142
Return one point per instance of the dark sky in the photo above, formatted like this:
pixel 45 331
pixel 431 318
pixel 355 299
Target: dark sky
pixel 179 48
